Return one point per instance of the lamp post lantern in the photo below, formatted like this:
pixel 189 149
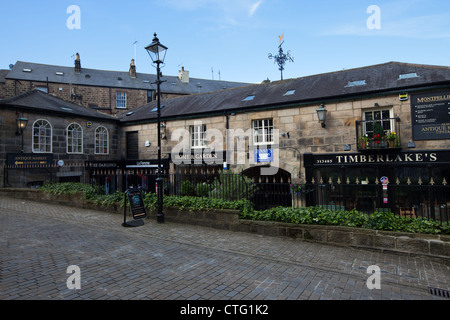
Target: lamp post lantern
pixel 157 53
pixel 21 123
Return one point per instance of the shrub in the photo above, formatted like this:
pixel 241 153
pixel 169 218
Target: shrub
pixel 231 186
pixel 202 189
pixel 386 221
pixel 187 188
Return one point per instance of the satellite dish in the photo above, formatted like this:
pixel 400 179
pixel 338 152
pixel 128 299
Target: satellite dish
pixel 11 66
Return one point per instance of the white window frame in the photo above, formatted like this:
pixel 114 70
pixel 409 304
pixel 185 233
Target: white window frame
pixel 101 137
pixel 42 139
pixel 121 100
pixel 263 132
pixel 72 142
pixel 197 134
pixel 385 120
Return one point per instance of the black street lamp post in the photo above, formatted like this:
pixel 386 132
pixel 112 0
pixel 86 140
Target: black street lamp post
pixel 157 53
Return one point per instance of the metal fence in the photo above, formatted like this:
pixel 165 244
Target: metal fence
pixel 430 200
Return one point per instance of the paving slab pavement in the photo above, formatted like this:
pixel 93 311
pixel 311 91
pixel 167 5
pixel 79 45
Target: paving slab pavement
pixel 170 261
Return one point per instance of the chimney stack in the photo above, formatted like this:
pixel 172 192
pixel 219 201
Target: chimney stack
pixel 132 69
pixel 77 63
pixel 183 75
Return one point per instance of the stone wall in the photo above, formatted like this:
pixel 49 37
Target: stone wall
pixel 87 96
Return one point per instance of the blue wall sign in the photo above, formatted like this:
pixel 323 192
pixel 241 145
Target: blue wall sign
pixel 263 155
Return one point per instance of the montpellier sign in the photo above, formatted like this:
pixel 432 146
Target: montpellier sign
pixel 430 114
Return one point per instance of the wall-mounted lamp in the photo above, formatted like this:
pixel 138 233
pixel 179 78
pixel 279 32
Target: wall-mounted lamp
pixel 347 147
pixel 21 123
pixel 411 144
pixel 322 115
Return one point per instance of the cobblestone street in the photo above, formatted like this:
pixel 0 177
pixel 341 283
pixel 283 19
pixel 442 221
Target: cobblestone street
pixel 180 262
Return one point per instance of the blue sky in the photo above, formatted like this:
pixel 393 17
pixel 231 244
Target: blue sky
pixel 230 36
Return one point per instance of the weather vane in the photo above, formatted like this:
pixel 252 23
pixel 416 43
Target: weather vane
pixel 281 58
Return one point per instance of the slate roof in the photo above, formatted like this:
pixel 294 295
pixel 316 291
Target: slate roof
pixel 101 78
pixel 382 78
pixel 39 101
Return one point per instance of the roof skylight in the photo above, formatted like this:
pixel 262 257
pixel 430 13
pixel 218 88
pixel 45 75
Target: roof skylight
pixel 249 98
pixel 408 76
pixel 356 83
pixel 156 108
pixel 289 93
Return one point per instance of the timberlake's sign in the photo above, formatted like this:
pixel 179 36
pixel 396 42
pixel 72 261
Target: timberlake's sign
pixel 396 158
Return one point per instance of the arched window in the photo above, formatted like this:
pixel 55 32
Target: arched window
pixel 42 136
pixel 74 138
pixel 101 141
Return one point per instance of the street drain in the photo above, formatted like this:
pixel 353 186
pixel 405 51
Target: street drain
pixel 439 292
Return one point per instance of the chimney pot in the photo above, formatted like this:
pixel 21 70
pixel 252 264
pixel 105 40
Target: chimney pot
pixel 77 63
pixel 132 69
pixel 183 75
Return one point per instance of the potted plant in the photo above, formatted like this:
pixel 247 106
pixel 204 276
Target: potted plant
pixel 391 137
pixel 364 142
pixel 378 136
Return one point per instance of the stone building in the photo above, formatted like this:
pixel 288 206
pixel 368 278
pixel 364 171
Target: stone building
pixel 57 140
pixel 383 143
pixel 276 126
pixel 111 92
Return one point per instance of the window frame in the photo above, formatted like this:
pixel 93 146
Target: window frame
pixel 48 126
pixel 70 140
pixel 387 122
pixel 197 136
pixel 267 135
pixel 121 100
pixel 99 143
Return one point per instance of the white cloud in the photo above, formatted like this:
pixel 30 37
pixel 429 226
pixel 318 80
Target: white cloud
pixel 254 7
pixel 224 12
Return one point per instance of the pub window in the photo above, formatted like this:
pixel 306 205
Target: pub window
pixel 198 136
pixel 74 138
pixel 262 131
pixel 121 100
pixel 375 118
pixel 42 137
pixel 101 141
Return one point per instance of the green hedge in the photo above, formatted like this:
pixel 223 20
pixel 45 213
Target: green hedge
pixel 386 221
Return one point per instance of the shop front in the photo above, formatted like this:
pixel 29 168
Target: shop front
pixel 413 183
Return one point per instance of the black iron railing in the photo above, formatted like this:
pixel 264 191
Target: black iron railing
pixel 378 134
